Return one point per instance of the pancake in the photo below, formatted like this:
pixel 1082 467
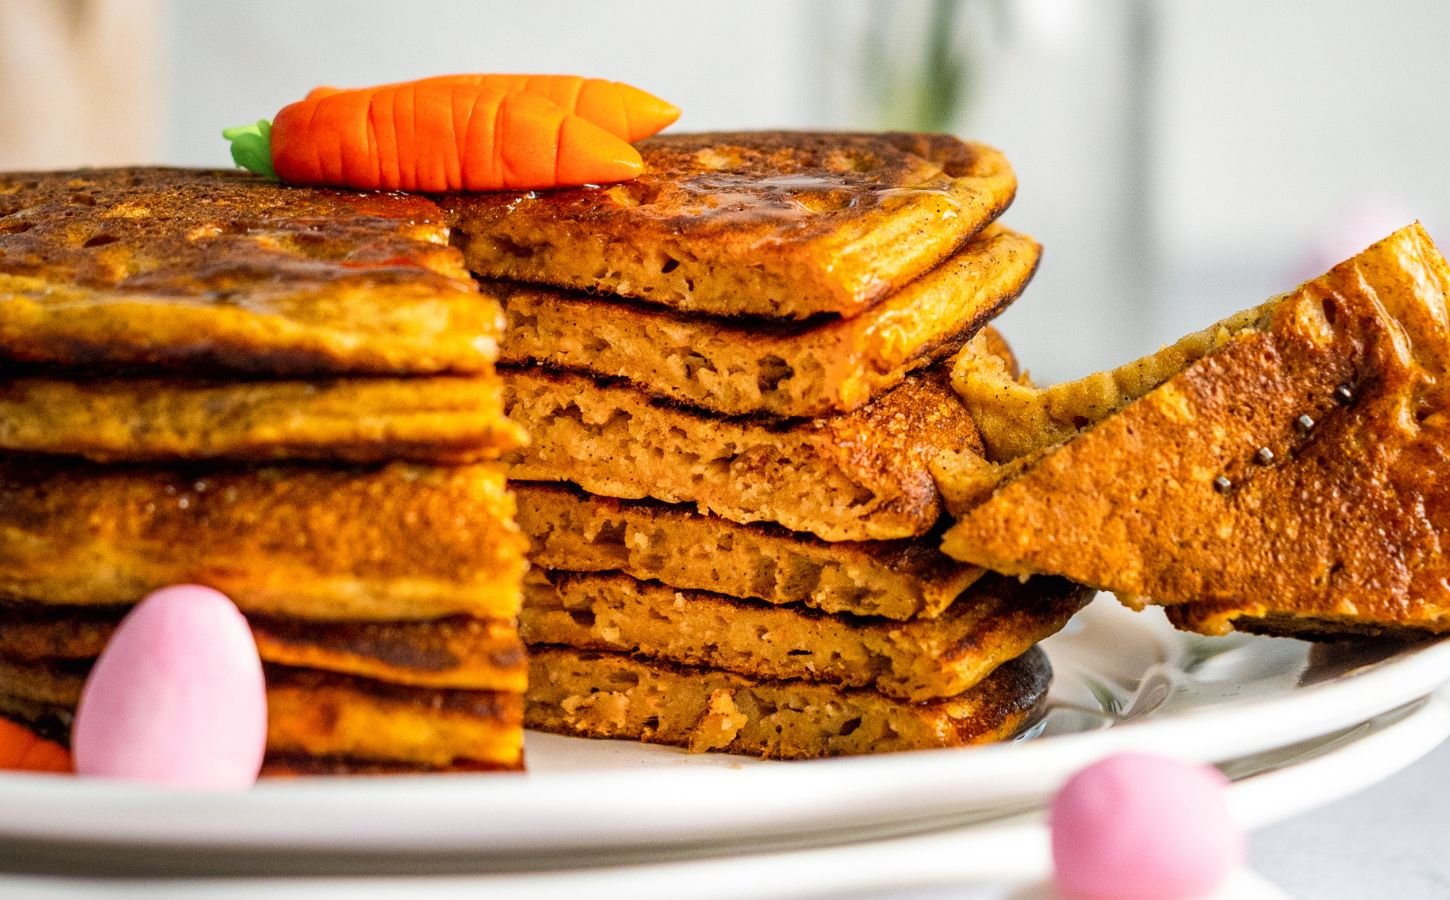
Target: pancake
pixel 787 370
pixel 399 541
pixel 294 765
pixel 863 475
pixel 320 715
pixel 569 529
pixel 456 652
pixel 225 271
pixel 775 224
pixel 1017 418
pixel 429 419
pixel 608 695
pixel 1220 618
pixel 1293 469
pixel 998 619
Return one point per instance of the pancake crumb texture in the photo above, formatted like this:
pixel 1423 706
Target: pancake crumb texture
pixel 570 530
pixel 614 696
pixel 857 476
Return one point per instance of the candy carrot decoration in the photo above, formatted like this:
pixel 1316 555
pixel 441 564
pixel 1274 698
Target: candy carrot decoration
pixel 23 750
pixel 454 132
pixel 621 109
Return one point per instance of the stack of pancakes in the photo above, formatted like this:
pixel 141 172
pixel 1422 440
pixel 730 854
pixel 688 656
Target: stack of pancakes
pixel 734 374
pixel 287 395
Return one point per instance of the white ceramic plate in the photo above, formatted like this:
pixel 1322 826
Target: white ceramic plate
pixel 1125 680
pixel 997 860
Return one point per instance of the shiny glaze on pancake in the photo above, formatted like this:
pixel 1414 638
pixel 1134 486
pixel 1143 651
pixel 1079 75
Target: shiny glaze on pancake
pixel 776 224
pixel 215 270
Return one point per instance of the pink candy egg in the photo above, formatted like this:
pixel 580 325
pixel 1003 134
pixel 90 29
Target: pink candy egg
pixel 1142 827
pixel 177 698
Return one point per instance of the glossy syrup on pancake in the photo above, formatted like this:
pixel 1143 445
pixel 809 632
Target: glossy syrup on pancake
pixel 774 224
pixel 223 271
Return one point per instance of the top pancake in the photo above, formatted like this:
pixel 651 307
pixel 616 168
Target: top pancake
pixel 775 224
pixel 177 269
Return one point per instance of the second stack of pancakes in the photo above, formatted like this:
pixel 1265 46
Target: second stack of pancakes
pixel 285 394
pixel 733 374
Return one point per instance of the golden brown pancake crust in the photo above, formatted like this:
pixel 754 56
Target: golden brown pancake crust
pixel 455 652
pixel 863 475
pixel 444 419
pixel 609 695
pixel 204 270
pixel 321 716
pixel 740 367
pixel 1220 618
pixel 569 529
pixel 775 224
pixel 1343 520
pixel 1017 419
pixel 294 765
pixel 399 541
pixel 998 619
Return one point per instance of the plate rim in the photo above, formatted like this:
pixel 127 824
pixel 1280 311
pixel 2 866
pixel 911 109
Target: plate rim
pixel 483 808
pixel 1012 849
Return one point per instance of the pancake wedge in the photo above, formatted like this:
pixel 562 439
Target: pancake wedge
pixel 772 224
pixel 1293 475
pixel 608 695
pixel 863 475
pixel 568 529
pixel 926 659
pixel 1016 418
pixel 224 271
pixel 428 419
pixel 320 716
pixel 399 541
pixel 790 370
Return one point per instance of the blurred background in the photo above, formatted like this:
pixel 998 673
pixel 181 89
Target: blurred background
pixel 1179 160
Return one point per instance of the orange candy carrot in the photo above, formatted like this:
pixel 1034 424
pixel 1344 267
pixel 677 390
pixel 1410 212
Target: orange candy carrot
pixel 23 750
pixel 455 132
pixel 621 109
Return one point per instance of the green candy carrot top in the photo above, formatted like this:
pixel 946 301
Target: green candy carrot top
pixel 457 133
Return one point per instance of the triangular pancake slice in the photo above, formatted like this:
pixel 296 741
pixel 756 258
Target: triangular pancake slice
pixel 1294 470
